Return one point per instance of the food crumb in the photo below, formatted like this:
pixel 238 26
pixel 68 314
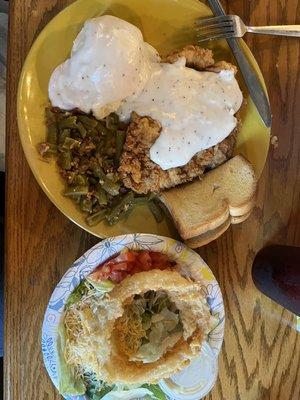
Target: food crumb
pixel 274 142
pixel 215 187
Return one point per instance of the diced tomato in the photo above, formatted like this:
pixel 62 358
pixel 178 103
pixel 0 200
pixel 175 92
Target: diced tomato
pixel 121 266
pixel 126 255
pixel 100 274
pixel 130 266
pixel 159 260
pixel 117 276
pixel 130 262
pixel 145 260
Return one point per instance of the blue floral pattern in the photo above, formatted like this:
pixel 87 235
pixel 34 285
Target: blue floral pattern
pixel 97 255
pixel 49 354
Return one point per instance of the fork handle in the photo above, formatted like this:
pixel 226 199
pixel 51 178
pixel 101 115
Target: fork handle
pixel 283 30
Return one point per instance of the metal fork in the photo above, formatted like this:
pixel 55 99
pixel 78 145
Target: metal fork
pixel 229 26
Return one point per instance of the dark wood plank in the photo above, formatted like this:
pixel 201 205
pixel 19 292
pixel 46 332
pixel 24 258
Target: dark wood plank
pixel 261 354
pixel 40 241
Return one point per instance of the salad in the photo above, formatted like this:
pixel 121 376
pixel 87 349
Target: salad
pixel 136 319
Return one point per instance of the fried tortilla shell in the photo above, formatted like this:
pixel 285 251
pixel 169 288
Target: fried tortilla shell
pixel 194 314
pixel 111 364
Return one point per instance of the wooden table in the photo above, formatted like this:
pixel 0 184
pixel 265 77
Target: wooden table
pixel 261 353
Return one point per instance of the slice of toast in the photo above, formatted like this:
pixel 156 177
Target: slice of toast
pixel 209 236
pixel 223 196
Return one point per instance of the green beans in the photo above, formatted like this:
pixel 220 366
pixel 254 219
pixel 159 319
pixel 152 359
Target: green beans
pixel 121 207
pixel 112 121
pixel 65 159
pixel 76 191
pixel 69 122
pixel 63 134
pixel 82 130
pixel 80 180
pixel 86 204
pixel 88 155
pixel 101 196
pixel 141 200
pixel 87 122
pixel 46 149
pixel 102 130
pixel 52 133
pixel 113 188
pixel 70 143
pixel 120 140
pixel 98 172
pixel 95 218
pixel 156 211
pixel 50 116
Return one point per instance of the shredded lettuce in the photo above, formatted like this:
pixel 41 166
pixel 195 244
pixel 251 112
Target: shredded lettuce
pixel 77 294
pixel 158 394
pixel 160 321
pixel 87 286
pixel 95 389
pixel 69 383
pixel 103 286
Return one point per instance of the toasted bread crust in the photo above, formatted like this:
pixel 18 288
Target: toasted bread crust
pixel 213 234
pixel 224 193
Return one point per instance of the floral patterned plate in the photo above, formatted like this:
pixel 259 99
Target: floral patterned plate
pixel 98 254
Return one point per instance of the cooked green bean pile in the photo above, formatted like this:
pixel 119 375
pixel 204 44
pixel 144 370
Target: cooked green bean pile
pixel 88 153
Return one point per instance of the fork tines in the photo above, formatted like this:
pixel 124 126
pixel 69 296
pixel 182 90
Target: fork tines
pixel 215 28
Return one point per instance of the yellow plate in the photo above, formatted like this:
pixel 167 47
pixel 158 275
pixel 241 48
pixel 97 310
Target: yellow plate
pixel 167 25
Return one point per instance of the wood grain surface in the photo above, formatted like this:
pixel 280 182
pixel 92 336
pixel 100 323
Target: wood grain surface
pixel 260 358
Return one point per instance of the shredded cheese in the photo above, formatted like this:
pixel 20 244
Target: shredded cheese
pixel 130 332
